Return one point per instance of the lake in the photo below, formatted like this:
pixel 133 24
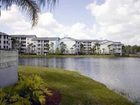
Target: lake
pixel 119 74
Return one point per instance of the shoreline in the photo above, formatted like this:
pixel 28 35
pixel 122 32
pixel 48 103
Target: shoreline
pixel 76 56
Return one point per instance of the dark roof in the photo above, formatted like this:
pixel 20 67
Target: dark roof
pixel 27 36
pixel 81 40
pixel 45 38
pixel 116 43
pixel 87 40
pixel 1 33
pixel 106 41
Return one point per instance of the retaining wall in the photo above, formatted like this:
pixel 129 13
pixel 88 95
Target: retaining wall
pixel 8 67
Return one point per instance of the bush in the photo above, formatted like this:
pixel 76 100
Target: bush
pixel 29 91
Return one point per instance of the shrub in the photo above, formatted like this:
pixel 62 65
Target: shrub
pixel 31 90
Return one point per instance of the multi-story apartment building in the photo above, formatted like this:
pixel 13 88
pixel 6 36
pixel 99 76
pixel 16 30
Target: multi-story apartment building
pixel 53 44
pixel 5 41
pixel 23 42
pixel 69 45
pixel 110 47
pixel 44 45
pixel 85 46
pixel 75 46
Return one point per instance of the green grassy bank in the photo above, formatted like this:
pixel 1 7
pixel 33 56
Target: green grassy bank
pixel 75 88
pixel 65 56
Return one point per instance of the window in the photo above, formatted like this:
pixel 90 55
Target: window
pixel 23 38
pixel 23 45
pixel 45 49
pixel 23 41
pixel 119 49
pixel 46 41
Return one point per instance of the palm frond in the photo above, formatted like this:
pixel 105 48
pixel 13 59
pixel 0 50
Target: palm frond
pixel 50 3
pixel 29 6
pixel 6 3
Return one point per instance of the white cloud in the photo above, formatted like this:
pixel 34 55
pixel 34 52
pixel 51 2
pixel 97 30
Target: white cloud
pixel 118 20
pixel 13 22
pixel 80 30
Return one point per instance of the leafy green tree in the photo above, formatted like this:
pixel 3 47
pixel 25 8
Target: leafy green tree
pixel 82 48
pixel 113 51
pixel 57 51
pixel 93 49
pixel 128 49
pixel 110 51
pixel 62 47
pixel 16 45
pixel 30 48
pixel 52 47
pixel 31 7
pixel 34 49
pixel 103 50
pixel 73 49
pixel 97 45
pixel 135 49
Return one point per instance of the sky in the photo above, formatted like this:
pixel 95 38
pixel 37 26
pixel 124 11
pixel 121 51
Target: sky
pixel 116 20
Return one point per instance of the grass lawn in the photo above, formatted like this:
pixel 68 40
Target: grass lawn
pixel 65 56
pixel 75 88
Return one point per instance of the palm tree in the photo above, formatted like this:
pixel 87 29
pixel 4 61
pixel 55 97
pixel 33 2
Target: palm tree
pixel 31 7
pixel 93 49
pixel 103 49
pixel 30 48
pixel 82 48
pixel 109 49
pixel 97 47
pixel 16 45
pixel 63 47
pixel 52 47
pixel 34 49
